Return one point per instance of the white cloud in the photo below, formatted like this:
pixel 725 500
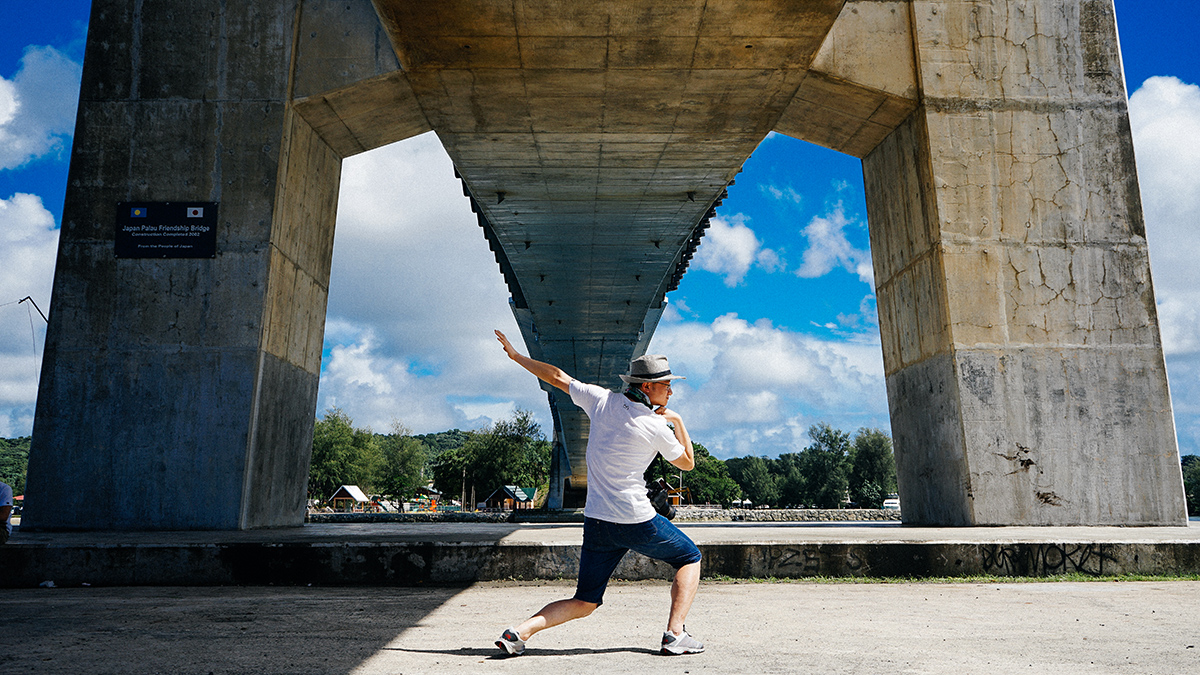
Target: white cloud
pixel 730 248
pixel 28 244
pixel 8 101
pixel 785 194
pixel 828 248
pixel 414 295
pixel 754 388
pixel 37 107
pixel 1165 118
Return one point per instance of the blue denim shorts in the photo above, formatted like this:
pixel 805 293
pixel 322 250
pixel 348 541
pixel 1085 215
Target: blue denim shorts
pixel 605 543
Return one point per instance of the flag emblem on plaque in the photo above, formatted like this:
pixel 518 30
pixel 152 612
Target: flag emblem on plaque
pixel 195 212
pixel 137 212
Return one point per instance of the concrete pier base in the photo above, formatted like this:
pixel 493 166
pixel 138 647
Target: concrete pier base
pixel 416 554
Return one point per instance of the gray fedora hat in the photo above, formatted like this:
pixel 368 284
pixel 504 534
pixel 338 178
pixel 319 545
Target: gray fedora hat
pixel 650 368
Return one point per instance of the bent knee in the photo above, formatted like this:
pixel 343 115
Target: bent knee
pixel 585 608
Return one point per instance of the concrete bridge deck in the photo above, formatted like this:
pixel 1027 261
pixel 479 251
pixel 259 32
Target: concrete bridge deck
pixel 415 554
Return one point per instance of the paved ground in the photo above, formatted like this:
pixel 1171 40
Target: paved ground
pixel 1102 627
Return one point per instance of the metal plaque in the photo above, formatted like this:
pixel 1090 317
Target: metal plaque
pixel 166 230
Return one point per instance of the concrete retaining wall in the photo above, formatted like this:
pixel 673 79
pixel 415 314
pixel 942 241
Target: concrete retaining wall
pixel 430 563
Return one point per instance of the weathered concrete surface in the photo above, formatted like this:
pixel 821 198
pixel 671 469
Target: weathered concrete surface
pixel 181 393
pixel 1021 344
pixel 1022 350
pixel 416 554
pixel 1135 628
pixel 862 83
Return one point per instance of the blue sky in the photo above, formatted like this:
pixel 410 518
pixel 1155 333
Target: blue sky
pixel 783 275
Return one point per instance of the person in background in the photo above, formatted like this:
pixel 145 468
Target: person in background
pixel 6 506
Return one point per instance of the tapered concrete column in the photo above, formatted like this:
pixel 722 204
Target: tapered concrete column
pixel 1024 366
pixel 179 394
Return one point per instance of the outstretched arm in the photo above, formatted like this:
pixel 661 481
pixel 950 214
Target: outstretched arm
pixel 544 371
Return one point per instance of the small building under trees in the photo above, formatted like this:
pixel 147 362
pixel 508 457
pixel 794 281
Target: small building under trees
pixel 349 498
pixel 511 498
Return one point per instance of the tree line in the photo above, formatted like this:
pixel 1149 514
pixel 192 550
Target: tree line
pixel 836 469
pixel 514 451
pixel 833 468
pixel 1191 483
pixel 14 460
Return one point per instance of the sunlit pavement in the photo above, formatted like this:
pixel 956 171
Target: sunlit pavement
pixel 1086 627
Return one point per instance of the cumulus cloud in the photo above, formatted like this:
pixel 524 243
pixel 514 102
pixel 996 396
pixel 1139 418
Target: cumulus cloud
pixel 415 291
pixel 28 243
pixel 828 248
pixel 730 248
pixel 414 295
pixel 1165 118
pixel 37 107
pixel 754 388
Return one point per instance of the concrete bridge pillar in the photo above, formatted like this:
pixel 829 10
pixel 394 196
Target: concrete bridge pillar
pixel 1024 366
pixel 179 393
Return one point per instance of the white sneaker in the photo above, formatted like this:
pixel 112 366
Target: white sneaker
pixel 681 644
pixel 511 643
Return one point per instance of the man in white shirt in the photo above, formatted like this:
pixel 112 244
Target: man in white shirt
pixel 627 432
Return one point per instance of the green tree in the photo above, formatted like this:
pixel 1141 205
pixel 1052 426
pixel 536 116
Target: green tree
pixel 872 468
pixel 342 455
pixel 402 467
pixel 1191 483
pixel 440 442
pixel 14 461
pixel 709 482
pixel 510 452
pixel 823 466
pixel 754 476
pixel 789 476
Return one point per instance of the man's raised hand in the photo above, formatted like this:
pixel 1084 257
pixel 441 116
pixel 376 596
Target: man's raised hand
pixel 508 348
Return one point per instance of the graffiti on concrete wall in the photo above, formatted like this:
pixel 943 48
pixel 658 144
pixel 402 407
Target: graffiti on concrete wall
pixel 796 562
pixel 1094 559
pixel 1046 559
pixel 801 562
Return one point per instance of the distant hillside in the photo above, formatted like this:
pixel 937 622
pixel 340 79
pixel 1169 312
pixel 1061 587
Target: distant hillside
pixel 443 441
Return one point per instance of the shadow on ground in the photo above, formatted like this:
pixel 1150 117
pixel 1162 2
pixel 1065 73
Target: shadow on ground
pixel 206 630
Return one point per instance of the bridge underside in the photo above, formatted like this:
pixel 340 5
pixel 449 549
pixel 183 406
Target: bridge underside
pixel 595 140
pixel 595 144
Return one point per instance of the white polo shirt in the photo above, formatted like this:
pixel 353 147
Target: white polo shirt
pixel 623 440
